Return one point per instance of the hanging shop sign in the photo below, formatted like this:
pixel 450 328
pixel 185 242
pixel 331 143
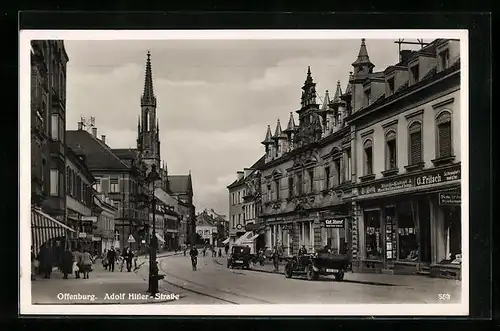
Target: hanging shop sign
pixel 82 235
pixel 335 223
pixel 450 198
pixel 428 178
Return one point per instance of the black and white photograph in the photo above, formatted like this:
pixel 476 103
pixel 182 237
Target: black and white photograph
pixel 244 172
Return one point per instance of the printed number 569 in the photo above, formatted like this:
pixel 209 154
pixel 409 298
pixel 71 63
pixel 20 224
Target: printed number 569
pixel 444 296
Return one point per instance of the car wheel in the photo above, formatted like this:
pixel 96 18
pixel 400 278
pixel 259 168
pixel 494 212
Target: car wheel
pixel 311 274
pixel 339 275
pixel 288 271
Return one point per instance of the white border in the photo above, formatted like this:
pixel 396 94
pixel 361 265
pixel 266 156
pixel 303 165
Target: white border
pixel 218 310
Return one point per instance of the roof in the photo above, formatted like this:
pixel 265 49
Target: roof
pixel 80 162
pixel 179 183
pixel 97 153
pixel 259 162
pixel 126 153
pixel 237 182
pixel 204 219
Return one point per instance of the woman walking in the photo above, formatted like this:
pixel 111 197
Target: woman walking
pixel 85 264
pixel 67 263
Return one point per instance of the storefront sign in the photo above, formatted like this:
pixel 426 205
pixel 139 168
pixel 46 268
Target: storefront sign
pixel 82 235
pixel 336 223
pixel 429 178
pixel 450 199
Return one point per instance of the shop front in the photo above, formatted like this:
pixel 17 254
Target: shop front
pixel 409 224
pixel 335 229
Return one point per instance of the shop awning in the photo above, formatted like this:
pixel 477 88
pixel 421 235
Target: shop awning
pixel 225 241
pixel 159 237
pixel 243 237
pixel 45 228
pixel 254 237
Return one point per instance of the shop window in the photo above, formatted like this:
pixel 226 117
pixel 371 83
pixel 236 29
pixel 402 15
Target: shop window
pixel 391 151
pixel 453 234
pixel 444 134
pixel 407 237
pixel 368 149
pixel 390 233
pixel 373 240
pixel 415 138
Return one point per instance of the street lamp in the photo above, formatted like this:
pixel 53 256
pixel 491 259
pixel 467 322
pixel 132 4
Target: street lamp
pixel 153 271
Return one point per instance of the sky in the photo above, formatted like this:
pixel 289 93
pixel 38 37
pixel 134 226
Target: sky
pixel 215 98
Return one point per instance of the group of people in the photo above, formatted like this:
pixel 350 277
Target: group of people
pixel 112 256
pixel 68 261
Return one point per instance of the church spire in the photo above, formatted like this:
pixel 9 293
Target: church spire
pixel 148 98
pixel 308 90
pixel 363 59
pixel 338 93
pixel 269 137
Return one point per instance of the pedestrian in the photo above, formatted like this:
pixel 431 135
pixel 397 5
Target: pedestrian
pixel 275 259
pixel 67 263
pixel 220 252
pixel 76 263
pixel 111 257
pixel 45 258
pixel 226 248
pixel 129 256
pixel 85 264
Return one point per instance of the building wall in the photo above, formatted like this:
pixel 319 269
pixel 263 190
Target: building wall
pixel 206 232
pixel 236 213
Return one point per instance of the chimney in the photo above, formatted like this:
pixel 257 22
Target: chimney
pixel 405 55
pixel 103 138
pixel 80 126
pixel 94 132
pixel 240 174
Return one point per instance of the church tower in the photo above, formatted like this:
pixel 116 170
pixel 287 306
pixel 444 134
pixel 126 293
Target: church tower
pixel 148 140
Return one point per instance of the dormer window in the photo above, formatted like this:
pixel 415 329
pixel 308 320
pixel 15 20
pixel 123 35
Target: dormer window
pixel 390 85
pixel 444 59
pixel 415 73
pixel 368 96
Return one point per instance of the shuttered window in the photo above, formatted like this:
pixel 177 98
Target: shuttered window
pixel 444 134
pixel 415 131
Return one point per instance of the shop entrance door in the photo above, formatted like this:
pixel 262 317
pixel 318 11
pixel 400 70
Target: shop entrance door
pixel 424 214
pixel 453 218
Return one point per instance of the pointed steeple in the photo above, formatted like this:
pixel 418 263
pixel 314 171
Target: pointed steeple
pixel 326 102
pixel 308 90
pixel 338 93
pixel 363 58
pixel 278 133
pixel 309 79
pixel 148 98
pixel 291 124
pixel 269 137
pixel 348 89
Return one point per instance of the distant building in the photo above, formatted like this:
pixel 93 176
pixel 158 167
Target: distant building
pixel 206 228
pixel 181 187
pixel 104 235
pixel 222 226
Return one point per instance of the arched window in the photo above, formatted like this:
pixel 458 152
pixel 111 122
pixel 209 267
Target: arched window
pixel 368 156
pixel 415 143
pixel 390 150
pixel 146 128
pixel 444 144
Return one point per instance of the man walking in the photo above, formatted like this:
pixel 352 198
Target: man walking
pixel 111 257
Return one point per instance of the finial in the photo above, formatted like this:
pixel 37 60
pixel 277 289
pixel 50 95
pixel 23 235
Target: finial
pixel 338 83
pixel 363 40
pixel 326 91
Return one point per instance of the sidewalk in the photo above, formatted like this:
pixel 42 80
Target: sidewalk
pixel 102 287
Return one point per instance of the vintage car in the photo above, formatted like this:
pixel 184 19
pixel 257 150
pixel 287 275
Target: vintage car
pixel 239 257
pixel 314 265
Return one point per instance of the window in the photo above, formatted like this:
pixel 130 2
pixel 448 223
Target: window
pixel 311 180
pixel 444 58
pixel 390 85
pixel 239 218
pixel 347 169
pixel 68 174
pixel 290 187
pixel 444 134
pixel 368 96
pixel 239 196
pixel 269 193
pixel 391 152
pixel 368 157
pixel 299 183
pixel 336 163
pixel 114 188
pixel 98 185
pixel 233 222
pixel 415 138
pixel 54 182
pixel 54 129
pixel 407 239
pixel 373 238
pixel 327 177
pixel 277 184
pixel 415 73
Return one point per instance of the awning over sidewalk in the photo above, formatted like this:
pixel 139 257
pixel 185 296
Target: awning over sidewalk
pixel 44 228
pixel 253 237
pixel 159 237
pixel 243 238
pixel 225 241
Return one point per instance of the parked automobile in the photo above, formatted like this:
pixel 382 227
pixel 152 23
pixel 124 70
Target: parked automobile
pixel 316 264
pixel 239 257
